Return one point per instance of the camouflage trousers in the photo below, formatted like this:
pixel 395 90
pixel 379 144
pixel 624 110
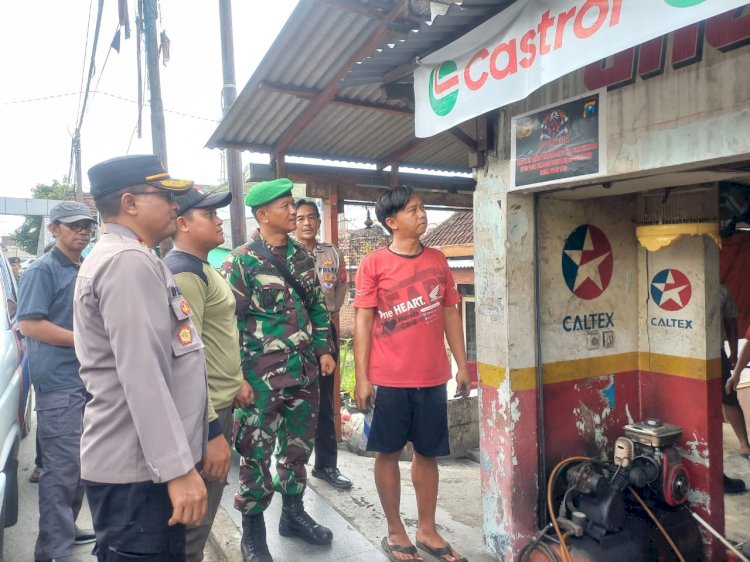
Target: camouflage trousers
pixel 282 422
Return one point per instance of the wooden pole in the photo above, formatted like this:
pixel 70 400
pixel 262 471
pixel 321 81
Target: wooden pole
pixel 234 159
pixel 158 130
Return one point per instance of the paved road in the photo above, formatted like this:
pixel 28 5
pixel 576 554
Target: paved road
pixel 20 539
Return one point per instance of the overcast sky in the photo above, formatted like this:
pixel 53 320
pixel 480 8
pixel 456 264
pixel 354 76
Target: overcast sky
pixel 43 43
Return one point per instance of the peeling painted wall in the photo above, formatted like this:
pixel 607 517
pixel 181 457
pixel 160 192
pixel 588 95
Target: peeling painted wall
pixel 687 116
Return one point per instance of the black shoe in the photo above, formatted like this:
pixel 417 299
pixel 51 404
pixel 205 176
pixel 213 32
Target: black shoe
pixel 333 476
pixel 295 522
pixel 733 485
pixel 253 543
pixel 84 536
pixel 35 475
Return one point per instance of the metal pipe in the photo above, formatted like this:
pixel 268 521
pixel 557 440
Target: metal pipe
pixel 542 516
pixel 715 533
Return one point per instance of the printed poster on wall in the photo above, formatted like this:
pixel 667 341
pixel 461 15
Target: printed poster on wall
pixel 558 143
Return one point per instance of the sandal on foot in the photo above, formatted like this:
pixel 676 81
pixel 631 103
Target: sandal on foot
pixel 441 552
pixel 391 548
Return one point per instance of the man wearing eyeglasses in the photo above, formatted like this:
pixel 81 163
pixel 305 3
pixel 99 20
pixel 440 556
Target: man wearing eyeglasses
pixel 45 313
pixel 142 360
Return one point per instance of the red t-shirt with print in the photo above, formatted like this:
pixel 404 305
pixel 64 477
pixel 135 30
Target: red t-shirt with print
pixel 408 293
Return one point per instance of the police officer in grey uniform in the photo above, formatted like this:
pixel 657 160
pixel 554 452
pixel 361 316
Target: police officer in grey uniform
pixel 142 362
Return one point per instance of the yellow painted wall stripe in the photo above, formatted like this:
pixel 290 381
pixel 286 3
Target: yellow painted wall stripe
pixel 581 369
pixel 490 375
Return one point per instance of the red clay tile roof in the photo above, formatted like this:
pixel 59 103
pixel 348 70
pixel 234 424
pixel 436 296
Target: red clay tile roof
pixel 456 229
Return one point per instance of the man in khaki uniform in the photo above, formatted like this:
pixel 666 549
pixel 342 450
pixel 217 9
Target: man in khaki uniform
pixel 330 268
pixel 142 362
pixel 212 304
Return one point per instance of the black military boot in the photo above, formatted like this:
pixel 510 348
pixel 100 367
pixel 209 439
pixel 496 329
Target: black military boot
pixel 295 522
pixel 253 543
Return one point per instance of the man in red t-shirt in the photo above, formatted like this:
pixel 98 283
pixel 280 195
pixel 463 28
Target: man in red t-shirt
pixel 405 305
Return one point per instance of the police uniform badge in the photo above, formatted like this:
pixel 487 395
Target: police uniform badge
pixel 185 335
pixel 185 307
pixel 328 280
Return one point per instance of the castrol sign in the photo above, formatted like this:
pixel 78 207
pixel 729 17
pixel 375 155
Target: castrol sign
pixel 534 42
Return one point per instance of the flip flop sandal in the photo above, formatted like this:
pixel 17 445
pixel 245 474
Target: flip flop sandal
pixel 391 548
pixel 441 552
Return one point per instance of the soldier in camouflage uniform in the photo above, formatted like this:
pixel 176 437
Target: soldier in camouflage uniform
pixel 283 335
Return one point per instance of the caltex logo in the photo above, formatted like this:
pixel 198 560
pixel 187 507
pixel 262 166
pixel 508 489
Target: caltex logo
pixel 587 262
pixel 444 88
pixel 671 289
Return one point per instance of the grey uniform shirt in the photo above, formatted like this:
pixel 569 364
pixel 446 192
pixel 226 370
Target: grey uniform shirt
pixel 142 362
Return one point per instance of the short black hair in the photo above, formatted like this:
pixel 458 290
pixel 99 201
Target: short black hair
pixel 109 204
pixel 310 203
pixel 391 202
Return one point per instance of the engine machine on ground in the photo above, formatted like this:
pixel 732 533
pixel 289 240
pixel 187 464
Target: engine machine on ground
pixel 611 511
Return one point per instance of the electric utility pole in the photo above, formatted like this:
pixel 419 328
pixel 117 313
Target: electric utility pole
pixel 158 130
pixel 233 158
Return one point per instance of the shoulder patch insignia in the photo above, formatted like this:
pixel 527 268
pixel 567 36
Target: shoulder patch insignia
pixel 185 335
pixel 185 307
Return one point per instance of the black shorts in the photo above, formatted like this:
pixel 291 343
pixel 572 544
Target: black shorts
pixel 726 372
pixel 419 415
pixel 130 521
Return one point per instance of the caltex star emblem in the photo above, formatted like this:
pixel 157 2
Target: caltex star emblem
pixel 671 289
pixel 587 262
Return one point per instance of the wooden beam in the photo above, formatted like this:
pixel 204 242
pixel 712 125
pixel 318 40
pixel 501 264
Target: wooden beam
pixel 394 176
pixel 396 156
pixel 375 39
pixel 463 138
pixel 312 94
pixel 350 192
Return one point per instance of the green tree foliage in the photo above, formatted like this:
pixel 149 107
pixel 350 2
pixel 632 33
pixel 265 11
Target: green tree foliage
pixel 27 235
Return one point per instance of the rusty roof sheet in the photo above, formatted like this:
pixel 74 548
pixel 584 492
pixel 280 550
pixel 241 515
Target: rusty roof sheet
pixel 458 229
pixel 307 55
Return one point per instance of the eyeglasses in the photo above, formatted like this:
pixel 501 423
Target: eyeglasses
pixel 86 226
pixel 168 195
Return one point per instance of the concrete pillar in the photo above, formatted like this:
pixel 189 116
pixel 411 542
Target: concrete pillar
pixel 504 249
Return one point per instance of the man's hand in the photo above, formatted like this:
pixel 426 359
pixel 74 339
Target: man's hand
pixel 732 383
pixel 327 364
pixel 216 460
pixel 189 499
pixel 363 395
pixel 463 383
pixel 244 396
pixel 733 360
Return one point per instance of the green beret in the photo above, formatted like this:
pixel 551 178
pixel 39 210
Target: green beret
pixel 266 191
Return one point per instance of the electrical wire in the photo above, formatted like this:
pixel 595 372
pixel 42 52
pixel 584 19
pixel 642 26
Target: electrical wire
pixel 658 525
pixel 550 507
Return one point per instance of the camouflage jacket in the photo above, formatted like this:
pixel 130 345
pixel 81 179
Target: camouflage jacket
pixel 279 336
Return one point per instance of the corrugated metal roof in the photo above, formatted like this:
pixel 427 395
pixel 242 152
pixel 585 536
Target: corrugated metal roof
pixel 430 36
pixel 308 54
